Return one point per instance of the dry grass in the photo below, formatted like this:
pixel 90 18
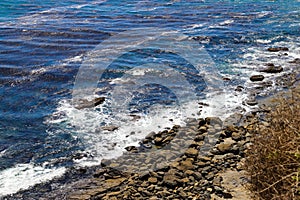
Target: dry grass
pixel 273 162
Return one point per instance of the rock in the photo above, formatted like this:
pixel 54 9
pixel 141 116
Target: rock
pixel 191 152
pixel 150 135
pixel 135 117
pixel 204 158
pixel 83 103
pixel 296 61
pixel 277 49
pixel 239 88
pixel 202 129
pixel 234 119
pixel 251 102
pixel 213 120
pixel 271 68
pixel 185 180
pixel 201 164
pixel 131 149
pixel 170 178
pixel 201 122
pixel 146 145
pixel 158 141
pixel 236 135
pixel 110 183
pixel 152 180
pixel 109 128
pixel 185 165
pixel 230 129
pixel 257 78
pixel 226 145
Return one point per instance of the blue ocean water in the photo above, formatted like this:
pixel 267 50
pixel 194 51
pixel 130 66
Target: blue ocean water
pixel 44 43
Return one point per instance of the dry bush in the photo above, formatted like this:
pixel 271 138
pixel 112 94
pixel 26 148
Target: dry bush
pixel 273 161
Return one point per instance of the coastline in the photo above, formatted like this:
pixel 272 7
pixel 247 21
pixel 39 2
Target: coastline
pixel 216 174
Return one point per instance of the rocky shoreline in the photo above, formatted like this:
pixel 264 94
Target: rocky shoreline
pixel 196 174
pixel 202 160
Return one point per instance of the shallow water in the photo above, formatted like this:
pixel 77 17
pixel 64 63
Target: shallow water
pixel 43 46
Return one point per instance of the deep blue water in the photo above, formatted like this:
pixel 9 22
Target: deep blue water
pixel 38 40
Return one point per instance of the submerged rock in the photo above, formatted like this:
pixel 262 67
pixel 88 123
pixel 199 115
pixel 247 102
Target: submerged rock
pixel 83 103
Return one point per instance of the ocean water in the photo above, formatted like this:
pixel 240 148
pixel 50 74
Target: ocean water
pixel 48 54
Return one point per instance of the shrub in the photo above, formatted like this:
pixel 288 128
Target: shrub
pixel 273 160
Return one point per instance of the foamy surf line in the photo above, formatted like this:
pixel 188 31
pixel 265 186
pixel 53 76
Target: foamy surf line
pixel 23 176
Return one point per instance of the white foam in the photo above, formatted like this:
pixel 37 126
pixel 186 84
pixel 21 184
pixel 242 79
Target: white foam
pixel 226 22
pixel 23 176
pixel 263 41
pixel 104 144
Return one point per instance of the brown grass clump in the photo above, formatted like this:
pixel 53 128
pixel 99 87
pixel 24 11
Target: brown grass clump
pixel 273 161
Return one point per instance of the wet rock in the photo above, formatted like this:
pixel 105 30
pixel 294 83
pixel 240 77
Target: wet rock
pixel 110 128
pixel 277 49
pixel 132 149
pixel 213 120
pixel 255 78
pixel 151 135
pixel 226 79
pixel 296 61
pixel 79 156
pixel 271 68
pixel 239 88
pixel 83 103
pixel 201 122
pixel 251 102
pixel 135 117
pixel 158 141
pixel 146 145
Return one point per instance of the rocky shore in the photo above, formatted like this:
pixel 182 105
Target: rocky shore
pixel 198 173
pixel 202 160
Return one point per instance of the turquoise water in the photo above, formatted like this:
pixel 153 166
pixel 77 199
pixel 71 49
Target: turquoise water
pixel 44 43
